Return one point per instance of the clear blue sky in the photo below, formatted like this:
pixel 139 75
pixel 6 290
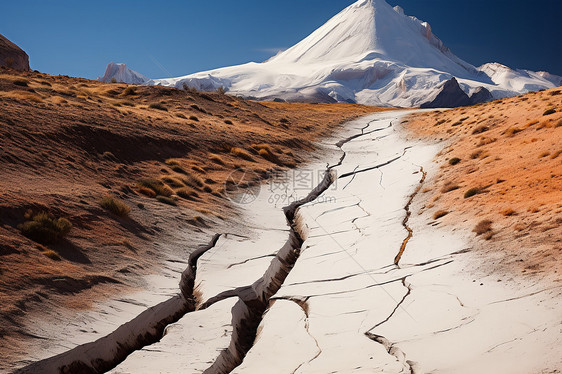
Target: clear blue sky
pixel 173 38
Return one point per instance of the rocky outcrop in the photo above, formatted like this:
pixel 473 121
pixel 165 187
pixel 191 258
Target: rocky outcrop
pixel 481 95
pixel 450 96
pixel 12 56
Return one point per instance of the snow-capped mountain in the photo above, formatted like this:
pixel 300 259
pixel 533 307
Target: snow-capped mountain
pixel 369 53
pixel 121 73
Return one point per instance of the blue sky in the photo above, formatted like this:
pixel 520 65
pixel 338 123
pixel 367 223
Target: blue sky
pixel 173 38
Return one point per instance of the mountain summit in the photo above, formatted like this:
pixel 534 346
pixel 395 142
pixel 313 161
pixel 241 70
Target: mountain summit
pixel 369 53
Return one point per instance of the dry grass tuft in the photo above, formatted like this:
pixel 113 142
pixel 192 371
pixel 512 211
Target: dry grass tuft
pixel 439 214
pixel 449 186
pixel 511 131
pixel 172 182
pixel 157 187
pixel 45 228
pixel 483 227
pixel 115 206
pixel 166 200
pixel 158 106
pixel 471 192
pixel 508 212
pixel 243 154
pixel 454 161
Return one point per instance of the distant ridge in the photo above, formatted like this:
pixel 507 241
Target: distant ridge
pixel 369 53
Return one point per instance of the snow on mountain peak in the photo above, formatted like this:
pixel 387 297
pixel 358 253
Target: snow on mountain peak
pixel 370 53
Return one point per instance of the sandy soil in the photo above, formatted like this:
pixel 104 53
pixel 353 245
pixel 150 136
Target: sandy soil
pixel 509 152
pixel 66 143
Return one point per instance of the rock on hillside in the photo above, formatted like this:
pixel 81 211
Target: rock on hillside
pixel 12 56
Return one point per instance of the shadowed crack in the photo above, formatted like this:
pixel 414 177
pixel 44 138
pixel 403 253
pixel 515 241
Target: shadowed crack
pixel 409 366
pixel 407 218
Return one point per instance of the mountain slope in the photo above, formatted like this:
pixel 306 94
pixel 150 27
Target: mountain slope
pixel 121 73
pixel 369 53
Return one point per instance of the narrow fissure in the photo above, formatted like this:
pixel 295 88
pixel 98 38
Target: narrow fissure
pixel 407 218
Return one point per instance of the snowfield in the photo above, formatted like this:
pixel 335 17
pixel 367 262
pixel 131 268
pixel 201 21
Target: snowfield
pixel 370 53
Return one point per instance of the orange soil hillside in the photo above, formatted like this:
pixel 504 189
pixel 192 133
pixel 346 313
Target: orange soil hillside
pixel 501 174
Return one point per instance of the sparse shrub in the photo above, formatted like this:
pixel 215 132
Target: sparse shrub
pixel 508 212
pixel 554 93
pixel 531 123
pixel 216 159
pixel 480 130
pixel 471 192
pixel 44 228
pixel 178 169
pixel 187 193
pixel 439 214
pixel 193 181
pixel 157 187
pixel 454 161
pixel 239 152
pixel 284 120
pixel 129 91
pixel 474 155
pixel 556 154
pixel 549 111
pixel 158 106
pixel 147 191
pixel 449 186
pixel 198 108
pixel 483 227
pixel 511 131
pixel 115 206
pixel 485 141
pixel 198 169
pixel 173 182
pixel 52 254
pixel 166 200
pixel 221 90
pixel 21 82
pixel 113 80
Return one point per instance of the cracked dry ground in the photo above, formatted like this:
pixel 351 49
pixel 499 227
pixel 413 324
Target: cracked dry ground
pixel 357 282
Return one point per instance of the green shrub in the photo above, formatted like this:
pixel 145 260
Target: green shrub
pixel 45 229
pixel 115 206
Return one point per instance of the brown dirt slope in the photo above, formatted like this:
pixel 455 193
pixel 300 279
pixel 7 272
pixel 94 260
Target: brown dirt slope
pixel 65 143
pixel 501 175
